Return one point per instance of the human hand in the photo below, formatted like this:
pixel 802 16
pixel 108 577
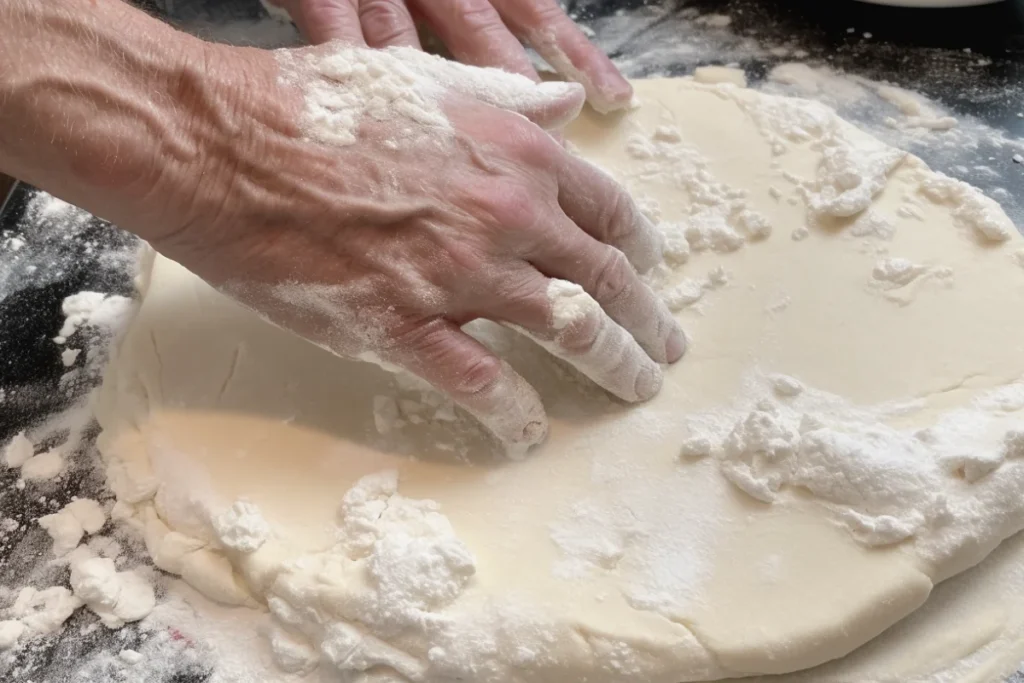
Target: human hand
pixel 376 201
pixel 478 32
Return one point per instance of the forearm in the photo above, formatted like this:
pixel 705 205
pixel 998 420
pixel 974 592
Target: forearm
pixel 99 101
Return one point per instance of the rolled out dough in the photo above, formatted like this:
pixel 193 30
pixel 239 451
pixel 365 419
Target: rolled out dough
pixel 838 439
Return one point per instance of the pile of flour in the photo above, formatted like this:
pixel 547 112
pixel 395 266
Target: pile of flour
pixel 94 320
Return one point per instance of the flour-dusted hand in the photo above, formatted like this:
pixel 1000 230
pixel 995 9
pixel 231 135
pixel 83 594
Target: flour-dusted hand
pixel 478 32
pixel 372 201
pixel 376 201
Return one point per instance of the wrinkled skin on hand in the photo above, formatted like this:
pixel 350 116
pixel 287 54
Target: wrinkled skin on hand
pixel 382 251
pixel 478 32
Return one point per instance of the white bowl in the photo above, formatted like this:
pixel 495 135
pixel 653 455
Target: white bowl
pixel 932 3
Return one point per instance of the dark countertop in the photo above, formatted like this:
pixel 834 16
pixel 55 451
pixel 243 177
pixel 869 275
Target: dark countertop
pixel 920 49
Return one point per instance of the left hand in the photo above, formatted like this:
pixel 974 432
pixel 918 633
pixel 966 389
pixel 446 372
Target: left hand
pixel 478 32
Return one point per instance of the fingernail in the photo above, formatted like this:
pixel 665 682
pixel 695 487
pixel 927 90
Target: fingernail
pixel 534 433
pixel 617 89
pixel 613 92
pixel 648 383
pixel 675 347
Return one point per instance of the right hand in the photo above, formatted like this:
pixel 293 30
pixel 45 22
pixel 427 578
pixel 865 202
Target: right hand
pixel 477 32
pixel 383 247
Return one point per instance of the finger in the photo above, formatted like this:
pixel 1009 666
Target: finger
pixel 570 324
pixel 603 208
pixel 388 23
pixel 477 380
pixel 551 105
pixel 561 43
pixel 548 105
pixel 325 20
pixel 475 34
pixel 606 275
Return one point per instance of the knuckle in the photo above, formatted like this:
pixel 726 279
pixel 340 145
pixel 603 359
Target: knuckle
pixel 322 9
pixel 477 375
pixel 543 14
pixel 478 16
pixel 425 340
pixel 618 217
pixel 534 146
pixel 384 18
pixel 523 289
pixel 512 206
pixel 466 370
pixel 613 282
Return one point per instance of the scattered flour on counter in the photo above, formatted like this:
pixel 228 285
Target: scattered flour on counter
pixel 839 88
pixel 811 81
pixel 715 20
pixel 44 466
pixel 69 356
pixel 10 632
pixel 36 613
pixel 92 309
pixel 917 111
pixel 18 451
pixel 76 520
pixel 115 597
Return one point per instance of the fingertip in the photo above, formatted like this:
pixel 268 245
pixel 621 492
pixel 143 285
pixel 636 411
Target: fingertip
pixel 611 92
pixel 675 346
pixel 648 248
pixel 563 102
pixel 532 434
pixel 515 413
pixel 648 382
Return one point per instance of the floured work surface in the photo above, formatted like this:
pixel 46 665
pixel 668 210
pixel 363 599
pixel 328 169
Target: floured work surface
pixel 840 438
